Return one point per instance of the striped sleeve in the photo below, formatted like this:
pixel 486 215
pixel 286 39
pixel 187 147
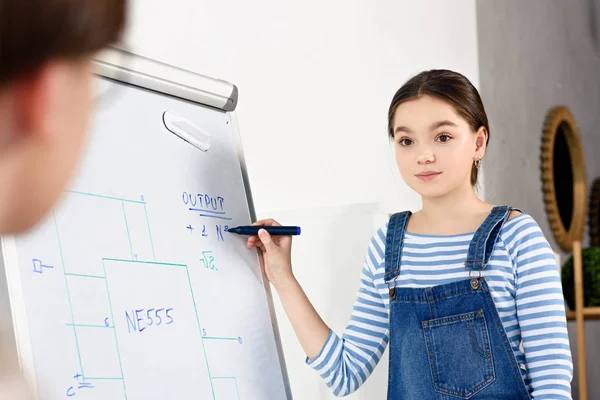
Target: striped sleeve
pixel 346 363
pixel 540 310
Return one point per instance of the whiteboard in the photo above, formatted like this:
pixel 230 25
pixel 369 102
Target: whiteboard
pixel 132 288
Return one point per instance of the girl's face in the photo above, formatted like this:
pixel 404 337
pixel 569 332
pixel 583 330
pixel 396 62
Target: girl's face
pixel 435 147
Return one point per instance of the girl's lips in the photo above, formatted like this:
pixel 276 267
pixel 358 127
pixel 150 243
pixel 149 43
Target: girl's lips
pixel 427 175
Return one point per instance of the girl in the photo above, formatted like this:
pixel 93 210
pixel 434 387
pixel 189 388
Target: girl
pixel 46 52
pixel 466 294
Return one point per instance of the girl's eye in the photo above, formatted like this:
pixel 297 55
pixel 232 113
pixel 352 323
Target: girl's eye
pixel 405 142
pixel 444 138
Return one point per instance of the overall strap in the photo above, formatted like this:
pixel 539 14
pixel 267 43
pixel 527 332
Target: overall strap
pixel 485 238
pixel 394 240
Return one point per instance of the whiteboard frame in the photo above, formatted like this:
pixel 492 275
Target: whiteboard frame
pixel 15 328
pixel 133 70
pixel 266 282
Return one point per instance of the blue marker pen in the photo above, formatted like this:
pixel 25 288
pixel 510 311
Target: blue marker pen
pixel 273 230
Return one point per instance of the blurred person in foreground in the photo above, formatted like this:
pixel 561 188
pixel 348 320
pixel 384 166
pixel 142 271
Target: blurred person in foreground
pixel 46 53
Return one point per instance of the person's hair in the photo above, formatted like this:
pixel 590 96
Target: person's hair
pixel 33 32
pixel 451 87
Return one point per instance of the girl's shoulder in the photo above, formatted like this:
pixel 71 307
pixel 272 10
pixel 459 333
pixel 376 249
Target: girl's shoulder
pixel 518 222
pixel 519 228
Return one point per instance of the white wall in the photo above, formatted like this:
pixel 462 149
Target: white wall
pixel 315 81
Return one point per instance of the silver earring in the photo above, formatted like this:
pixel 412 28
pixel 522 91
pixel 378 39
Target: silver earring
pixel 477 163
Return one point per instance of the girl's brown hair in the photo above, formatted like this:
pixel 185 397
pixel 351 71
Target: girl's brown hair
pixel 451 87
pixel 32 32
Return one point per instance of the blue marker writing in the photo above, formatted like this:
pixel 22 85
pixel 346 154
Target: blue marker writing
pixel 273 230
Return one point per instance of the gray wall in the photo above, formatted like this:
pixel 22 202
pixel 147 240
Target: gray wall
pixel 534 55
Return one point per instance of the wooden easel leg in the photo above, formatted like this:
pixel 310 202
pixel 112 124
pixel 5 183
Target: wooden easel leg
pixel 578 269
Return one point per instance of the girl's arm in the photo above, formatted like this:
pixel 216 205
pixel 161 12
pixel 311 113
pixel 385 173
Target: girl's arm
pixel 275 257
pixel 343 363
pixel 540 311
pixel 308 325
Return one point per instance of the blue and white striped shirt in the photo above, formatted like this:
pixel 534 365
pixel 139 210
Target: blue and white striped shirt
pixel 524 282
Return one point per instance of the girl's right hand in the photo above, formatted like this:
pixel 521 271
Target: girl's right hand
pixel 276 253
pixel 275 258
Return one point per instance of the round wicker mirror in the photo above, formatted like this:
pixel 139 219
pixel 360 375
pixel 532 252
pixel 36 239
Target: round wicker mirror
pixel 563 177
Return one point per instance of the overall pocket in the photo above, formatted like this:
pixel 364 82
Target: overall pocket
pixel 459 352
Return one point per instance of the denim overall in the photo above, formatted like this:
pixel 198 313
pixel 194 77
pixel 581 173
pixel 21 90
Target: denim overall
pixel 447 341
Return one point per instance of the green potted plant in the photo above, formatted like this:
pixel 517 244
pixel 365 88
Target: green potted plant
pixel 591 278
